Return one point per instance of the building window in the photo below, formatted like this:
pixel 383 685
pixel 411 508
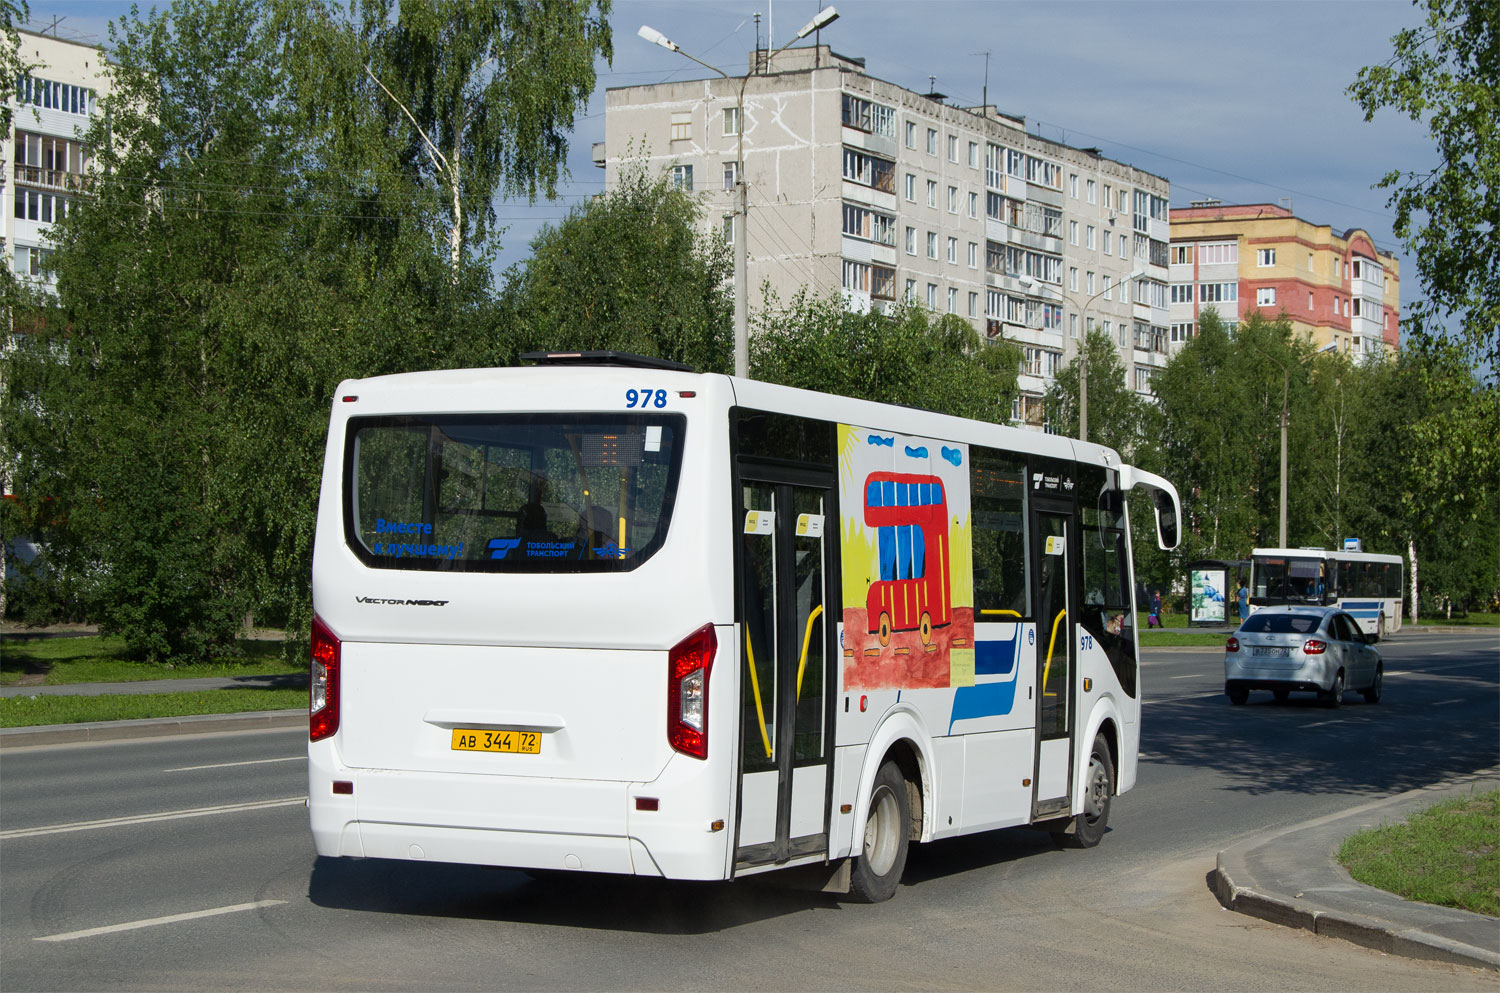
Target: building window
pixel 1125 253
pixel 863 115
pixel 868 170
pixel 973 255
pixel 1109 293
pixel 973 304
pixel 974 205
pixel 731 174
pixel 1357 302
pixel 994 158
pixel 1073 278
pixel 1072 232
pixel 911 241
pixel 862 222
pixel 952 300
pixel 1309 300
pixel 1073 185
pixel 1218 292
pixel 932 296
pixel 1088 237
pixel 911 188
pixel 1182 254
pixel 1106 242
pixel 973 155
pixel 1089 284
pixel 932 244
pixel 1072 325
pixel 1265 257
pixel 1217 253
pixel 953 148
pixel 682 177
pixel 953 250
pixel 931 141
pixel 1265 296
pixel 1093 192
pixel 1182 292
pixel 727 227
pixel 911 134
pixel 682 127
pixel 932 193
pixel 911 291
pixel 731 120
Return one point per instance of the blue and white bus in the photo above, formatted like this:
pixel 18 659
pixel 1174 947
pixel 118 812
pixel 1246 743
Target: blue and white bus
pixel 1365 585
pixel 608 615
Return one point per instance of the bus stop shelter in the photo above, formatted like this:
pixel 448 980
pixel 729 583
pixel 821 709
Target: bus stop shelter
pixel 1211 590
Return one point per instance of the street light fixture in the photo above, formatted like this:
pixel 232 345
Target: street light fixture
pixel 824 17
pixel 1083 357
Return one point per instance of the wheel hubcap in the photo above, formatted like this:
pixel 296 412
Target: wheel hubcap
pixel 1097 794
pixel 880 832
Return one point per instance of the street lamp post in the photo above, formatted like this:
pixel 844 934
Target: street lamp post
pixel 1286 380
pixel 825 17
pixel 1083 358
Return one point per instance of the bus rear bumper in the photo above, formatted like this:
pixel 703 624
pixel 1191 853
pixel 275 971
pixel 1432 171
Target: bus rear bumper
pixel 508 821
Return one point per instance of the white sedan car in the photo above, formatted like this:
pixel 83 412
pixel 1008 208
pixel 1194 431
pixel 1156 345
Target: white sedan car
pixel 1316 649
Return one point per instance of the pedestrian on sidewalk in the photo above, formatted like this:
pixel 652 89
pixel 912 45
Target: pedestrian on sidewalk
pixel 1153 620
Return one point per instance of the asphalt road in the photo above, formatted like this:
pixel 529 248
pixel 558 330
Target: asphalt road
pixel 204 858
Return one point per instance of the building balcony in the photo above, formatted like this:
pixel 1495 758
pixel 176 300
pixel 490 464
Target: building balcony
pixel 51 179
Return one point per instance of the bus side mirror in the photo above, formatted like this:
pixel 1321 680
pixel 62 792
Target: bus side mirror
pixel 1166 519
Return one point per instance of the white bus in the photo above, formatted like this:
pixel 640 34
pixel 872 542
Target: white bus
pixel 1364 585
pixel 609 615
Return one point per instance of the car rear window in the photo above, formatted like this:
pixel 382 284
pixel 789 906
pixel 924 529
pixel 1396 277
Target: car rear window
pixel 511 492
pixel 1281 623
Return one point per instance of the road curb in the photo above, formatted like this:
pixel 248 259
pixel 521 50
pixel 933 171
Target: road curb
pixel 66 734
pixel 1411 943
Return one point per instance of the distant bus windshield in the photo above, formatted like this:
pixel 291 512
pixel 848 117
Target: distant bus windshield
pixel 1288 579
pixel 511 493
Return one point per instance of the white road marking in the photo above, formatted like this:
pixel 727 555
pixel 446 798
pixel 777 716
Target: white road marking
pixel 166 815
pixel 1196 675
pixel 1318 724
pixel 1446 703
pixel 154 921
pixel 227 765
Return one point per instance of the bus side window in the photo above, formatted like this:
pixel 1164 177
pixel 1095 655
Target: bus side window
pixel 1106 571
pixel 998 492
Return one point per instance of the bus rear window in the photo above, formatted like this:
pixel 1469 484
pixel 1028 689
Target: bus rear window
pixel 510 492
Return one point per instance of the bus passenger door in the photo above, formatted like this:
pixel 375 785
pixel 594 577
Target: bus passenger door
pixel 787 620
pixel 1055 619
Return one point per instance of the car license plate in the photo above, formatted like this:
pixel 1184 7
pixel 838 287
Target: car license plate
pixel 481 740
pixel 1279 653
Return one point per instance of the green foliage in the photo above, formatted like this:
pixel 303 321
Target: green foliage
pixel 907 357
pixel 1446 73
pixel 12 64
pixel 625 272
pixel 259 231
pixel 1118 417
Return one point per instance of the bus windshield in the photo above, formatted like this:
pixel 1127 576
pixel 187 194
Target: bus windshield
pixel 1289 579
pixel 511 493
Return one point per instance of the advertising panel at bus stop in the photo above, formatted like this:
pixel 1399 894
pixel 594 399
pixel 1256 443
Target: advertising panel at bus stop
pixel 1208 586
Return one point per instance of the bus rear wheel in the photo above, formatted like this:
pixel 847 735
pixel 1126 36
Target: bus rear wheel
pixel 924 628
pixel 883 630
pixel 878 867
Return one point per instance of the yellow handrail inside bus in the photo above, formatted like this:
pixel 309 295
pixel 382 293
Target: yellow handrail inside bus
pixel 1046 669
pixel 755 685
pixel 806 640
pixel 1010 612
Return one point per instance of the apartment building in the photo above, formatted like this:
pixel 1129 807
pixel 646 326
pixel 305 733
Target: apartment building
pixel 1337 289
pixel 45 159
pixel 861 186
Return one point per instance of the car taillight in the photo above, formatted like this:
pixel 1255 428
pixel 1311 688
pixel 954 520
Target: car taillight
pixel 323 689
pixel 688 666
pixel 1314 647
pixel 1232 645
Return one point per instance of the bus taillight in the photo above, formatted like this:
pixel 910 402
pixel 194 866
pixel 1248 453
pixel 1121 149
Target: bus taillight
pixel 323 690
pixel 688 666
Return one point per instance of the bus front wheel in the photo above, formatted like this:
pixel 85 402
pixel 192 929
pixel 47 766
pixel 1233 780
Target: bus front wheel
pixel 924 628
pixel 883 630
pixel 1098 787
pixel 877 870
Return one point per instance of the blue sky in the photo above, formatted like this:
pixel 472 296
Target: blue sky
pixel 1241 101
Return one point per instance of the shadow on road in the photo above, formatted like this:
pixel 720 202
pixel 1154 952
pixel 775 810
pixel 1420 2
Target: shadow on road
pixel 1408 740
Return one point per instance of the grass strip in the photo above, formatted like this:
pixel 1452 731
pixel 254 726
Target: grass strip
pixel 17 712
pixel 1448 854
pixel 1158 639
pixel 96 659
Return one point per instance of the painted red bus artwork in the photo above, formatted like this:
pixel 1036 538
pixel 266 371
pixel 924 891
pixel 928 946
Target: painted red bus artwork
pixel 910 516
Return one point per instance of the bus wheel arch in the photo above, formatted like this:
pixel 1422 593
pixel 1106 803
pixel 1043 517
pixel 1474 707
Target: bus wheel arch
pixel 881 841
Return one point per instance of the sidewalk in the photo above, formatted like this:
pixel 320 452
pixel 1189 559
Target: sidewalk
pixel 1291 877
pixel 277 681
